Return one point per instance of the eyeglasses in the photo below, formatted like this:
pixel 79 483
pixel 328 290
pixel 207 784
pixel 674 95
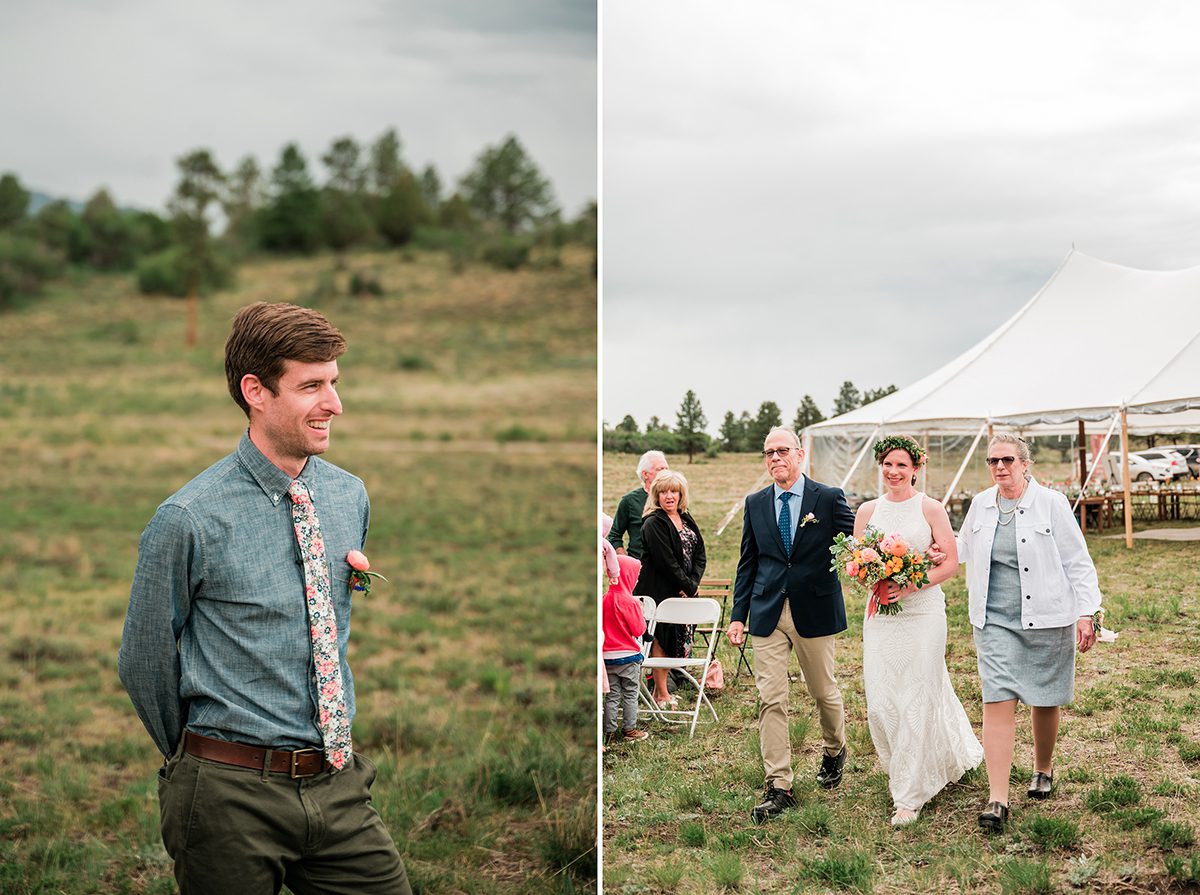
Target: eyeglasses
pixel 996 461
pixel 771 452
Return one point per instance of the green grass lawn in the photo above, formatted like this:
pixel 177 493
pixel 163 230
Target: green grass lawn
pixel 1127 804
pixel 465 395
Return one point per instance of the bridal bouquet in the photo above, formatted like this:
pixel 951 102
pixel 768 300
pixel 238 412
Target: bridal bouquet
pixel 876 558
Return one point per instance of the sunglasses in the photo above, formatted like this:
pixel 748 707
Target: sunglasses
pixel 771 452
pixel 996 461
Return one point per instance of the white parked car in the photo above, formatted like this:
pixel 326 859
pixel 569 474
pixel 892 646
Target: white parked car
pixel 1191 453
pixel 1177 461
pixel 1141 469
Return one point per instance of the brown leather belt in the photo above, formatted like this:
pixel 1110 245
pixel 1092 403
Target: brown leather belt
pixel 298 763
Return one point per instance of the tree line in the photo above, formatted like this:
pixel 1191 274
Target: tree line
pixel 499 211
pixel 737 433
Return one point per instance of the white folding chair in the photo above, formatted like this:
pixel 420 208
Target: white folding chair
pixel 649 607
pixel 705 614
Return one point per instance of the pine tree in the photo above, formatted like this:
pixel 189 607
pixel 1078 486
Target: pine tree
pixel 807 414
pixel 874 394
pixel 767 418
pixel 733 433
pixel 848 399
pixel 689 425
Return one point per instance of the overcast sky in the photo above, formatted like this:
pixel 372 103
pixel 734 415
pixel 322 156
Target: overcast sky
pixel 796 194
pixel 112 92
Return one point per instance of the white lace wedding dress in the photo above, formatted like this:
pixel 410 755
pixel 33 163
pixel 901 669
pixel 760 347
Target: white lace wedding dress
pixel 918 725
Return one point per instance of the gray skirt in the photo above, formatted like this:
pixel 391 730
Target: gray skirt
pixel 1035 666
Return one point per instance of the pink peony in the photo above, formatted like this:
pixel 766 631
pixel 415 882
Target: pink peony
pixel 894 544
pixel 869 555
pixel 852 569
pixel 356 559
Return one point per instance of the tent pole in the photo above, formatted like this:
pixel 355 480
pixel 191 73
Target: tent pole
pixel 1082 442
pixel 967 459
pixel 870 440
pixel 806 442
pixel 1125 478
pixel 1096 462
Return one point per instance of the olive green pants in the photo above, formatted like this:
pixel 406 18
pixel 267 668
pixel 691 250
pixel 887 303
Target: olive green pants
pixel 237 830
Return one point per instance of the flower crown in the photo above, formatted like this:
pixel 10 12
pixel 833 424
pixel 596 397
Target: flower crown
pixel 884 446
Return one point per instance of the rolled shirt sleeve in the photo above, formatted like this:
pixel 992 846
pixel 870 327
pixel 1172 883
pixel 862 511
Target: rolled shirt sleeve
pixel 169 569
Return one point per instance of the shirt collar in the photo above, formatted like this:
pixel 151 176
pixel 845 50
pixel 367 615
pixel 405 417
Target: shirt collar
pixel 797 487
pixel 273 480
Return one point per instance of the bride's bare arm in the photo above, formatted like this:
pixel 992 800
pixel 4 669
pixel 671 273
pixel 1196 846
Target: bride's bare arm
pixel 943 535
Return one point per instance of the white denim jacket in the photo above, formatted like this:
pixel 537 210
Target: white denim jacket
pixel 1058 580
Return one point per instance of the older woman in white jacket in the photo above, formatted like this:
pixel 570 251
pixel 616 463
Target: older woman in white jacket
pixel 1032 591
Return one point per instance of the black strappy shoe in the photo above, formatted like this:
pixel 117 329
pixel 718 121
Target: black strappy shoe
pixel 993 818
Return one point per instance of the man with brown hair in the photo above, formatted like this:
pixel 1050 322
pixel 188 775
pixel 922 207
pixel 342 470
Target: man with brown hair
pixel 234 648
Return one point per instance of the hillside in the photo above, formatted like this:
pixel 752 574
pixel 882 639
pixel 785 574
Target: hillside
pixel 466 395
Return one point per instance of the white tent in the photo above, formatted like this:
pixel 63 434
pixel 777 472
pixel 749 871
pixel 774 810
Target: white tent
pixel 1096 338
pixel 1099 342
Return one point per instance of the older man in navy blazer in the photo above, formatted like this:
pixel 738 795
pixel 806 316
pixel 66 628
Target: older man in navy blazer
pixel 793 601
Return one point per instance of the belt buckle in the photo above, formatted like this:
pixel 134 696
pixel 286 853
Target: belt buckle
pixel 295 760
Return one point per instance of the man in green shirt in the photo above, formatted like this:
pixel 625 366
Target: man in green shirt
pixel 628 517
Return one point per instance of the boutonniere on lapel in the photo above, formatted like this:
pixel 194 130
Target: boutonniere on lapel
pixel 807 519
pixel 360 574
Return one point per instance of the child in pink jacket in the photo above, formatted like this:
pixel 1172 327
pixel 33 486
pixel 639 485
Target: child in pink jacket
pixel 624 625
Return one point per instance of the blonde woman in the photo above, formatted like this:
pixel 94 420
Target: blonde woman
pixel 672 565
pixel 1032 591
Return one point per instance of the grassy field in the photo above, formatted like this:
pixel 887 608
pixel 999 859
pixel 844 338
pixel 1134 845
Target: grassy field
pixel 465 395
pixel 1123 819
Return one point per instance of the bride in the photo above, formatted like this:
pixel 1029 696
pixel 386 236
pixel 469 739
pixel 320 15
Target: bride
pixel 918 726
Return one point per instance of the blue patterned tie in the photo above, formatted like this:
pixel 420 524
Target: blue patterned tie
pixel 785 521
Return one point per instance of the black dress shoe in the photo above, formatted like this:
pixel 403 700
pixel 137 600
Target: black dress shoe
pixel 830 774
pixel 774 802
pixel 1041 785
pixel 993 818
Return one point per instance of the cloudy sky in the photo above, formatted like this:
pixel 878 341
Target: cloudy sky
pixel 111 92
pixel 797 194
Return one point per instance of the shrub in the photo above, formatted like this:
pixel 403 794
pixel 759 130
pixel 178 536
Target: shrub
pixel 518 432
pixel 167 272
pixel 24 266
pixel 364 284
pixel 507 252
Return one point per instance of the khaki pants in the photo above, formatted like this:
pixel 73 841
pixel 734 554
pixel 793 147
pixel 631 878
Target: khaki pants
pixel 238 830
pixel 815 655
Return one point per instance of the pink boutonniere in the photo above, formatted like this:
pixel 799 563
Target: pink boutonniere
pixel 807 519
pixel 360 574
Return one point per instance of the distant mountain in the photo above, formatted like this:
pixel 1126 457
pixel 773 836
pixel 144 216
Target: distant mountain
pixel 38 201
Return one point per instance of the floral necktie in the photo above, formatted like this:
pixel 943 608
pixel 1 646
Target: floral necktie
pixel 333 718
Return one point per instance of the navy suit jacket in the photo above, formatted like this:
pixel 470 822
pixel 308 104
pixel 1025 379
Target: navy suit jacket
pixel 767 575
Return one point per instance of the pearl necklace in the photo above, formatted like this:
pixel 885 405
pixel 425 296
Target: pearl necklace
pixel 1011 513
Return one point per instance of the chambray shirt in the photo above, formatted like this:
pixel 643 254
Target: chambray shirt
pixel 216 638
